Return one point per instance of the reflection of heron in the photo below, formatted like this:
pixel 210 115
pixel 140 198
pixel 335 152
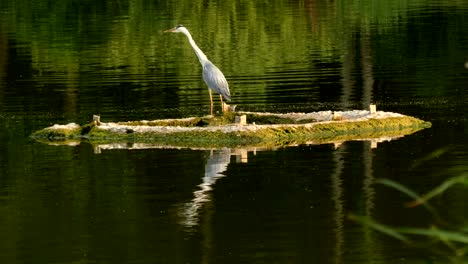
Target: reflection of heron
pixel 216 164
pixel 213 77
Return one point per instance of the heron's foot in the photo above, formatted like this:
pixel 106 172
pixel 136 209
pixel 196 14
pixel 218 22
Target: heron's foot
pixel 228 108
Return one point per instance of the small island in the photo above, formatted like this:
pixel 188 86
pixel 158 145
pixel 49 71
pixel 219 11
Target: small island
pixel 241 129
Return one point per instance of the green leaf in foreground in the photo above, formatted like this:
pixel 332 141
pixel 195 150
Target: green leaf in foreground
pixel 400 232
pixel 440 189
pixel 442 235
pixel 379 227
pixel 405 190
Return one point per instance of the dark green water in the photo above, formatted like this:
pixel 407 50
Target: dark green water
pixel 63 61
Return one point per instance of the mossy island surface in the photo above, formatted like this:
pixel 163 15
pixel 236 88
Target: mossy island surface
pixel 261 129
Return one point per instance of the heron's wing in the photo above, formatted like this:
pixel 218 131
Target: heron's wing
pixel 215 80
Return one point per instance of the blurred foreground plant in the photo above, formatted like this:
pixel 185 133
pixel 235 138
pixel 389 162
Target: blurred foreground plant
pixel 455 239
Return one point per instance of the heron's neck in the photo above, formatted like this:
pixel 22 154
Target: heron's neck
pixel 201 56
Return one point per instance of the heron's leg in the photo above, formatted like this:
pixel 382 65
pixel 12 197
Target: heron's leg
pixel 222 105
pixel 211 102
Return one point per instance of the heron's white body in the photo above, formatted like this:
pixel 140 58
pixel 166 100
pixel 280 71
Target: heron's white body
pixel 212 76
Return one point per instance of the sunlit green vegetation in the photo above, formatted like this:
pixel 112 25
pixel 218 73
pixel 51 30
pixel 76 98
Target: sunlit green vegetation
pixel 243 38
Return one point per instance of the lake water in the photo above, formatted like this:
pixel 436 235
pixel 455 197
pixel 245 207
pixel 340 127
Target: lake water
pixel 64 61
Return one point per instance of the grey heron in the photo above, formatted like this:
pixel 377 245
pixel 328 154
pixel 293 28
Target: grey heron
pixel 212 76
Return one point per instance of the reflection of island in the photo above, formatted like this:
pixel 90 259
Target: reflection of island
pixel 240 153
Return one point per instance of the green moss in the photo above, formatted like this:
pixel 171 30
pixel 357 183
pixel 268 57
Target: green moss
pixel 87 128
pixel 227 118
pixel 268 119
pixel 57 133
pixel 186 122
pixel 264 135
pixel 271 119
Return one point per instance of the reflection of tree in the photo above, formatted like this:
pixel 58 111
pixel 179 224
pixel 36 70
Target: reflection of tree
pixel 337 198
pixel 3 58
pixel 358 51
pixel 347 74
pixel 113 48
pixel 338 185
pixel 367 74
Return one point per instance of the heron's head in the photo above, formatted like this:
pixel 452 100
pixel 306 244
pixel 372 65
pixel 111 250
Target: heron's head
pixel 177 29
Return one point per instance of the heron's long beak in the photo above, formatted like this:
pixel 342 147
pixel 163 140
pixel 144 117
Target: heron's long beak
pixel 170 30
